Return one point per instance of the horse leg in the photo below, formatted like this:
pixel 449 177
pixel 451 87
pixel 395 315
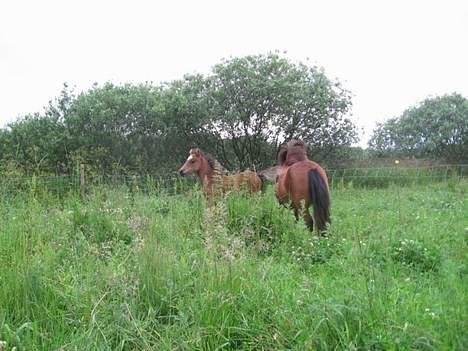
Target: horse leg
pixel 308 219
pixel 296 212
pixel 281 194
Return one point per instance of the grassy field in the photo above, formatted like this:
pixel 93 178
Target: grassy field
pixel 129 271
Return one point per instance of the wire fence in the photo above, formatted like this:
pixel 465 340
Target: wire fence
pixel 170 184
pixel 385 176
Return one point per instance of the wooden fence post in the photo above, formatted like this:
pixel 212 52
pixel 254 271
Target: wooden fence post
pixel 82 180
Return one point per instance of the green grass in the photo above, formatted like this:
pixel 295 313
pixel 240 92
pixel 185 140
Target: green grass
pixel 129 271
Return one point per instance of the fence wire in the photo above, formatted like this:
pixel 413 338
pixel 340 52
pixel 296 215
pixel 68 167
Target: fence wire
pixel 385 176
pixel 170 184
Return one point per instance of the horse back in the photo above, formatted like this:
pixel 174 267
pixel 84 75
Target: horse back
pixel 245 181
pixel 296 179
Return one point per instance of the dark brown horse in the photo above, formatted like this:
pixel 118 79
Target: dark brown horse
pixel 212 178
pixel 303 183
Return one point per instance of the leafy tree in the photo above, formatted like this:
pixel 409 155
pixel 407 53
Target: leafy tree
pixel 260 101
pixel 109 124
pixel 5 144
pixel 140 127
pixel 437 128
pixel 38 142
pixel 35 143
pixel 186 118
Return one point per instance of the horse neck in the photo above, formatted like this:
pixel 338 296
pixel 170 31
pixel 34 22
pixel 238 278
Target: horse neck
pixel 205 173
pixel 295 155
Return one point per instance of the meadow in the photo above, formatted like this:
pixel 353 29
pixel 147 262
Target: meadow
pixel 130 270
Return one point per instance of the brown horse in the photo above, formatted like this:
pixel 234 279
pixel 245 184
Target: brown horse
pixel 212 178
pixel 300 180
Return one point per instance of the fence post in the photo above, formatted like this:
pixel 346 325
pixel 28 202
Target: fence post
pixel 82 180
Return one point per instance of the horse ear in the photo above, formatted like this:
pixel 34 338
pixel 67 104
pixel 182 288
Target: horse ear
pixel 281 155
pixel 195 151
pixel 297 142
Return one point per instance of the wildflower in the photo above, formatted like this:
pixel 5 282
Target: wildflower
pixel 397 162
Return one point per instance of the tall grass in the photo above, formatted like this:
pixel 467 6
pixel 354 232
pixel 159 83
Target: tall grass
pixel 122 270
pixel 172 184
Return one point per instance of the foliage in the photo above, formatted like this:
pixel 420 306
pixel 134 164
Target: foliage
pixel 239 112
pixel 437 128
pixel 262 100
pixel 110 125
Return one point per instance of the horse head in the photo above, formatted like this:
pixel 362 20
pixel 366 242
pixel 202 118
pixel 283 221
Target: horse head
pixel 296 152
pixel 194 162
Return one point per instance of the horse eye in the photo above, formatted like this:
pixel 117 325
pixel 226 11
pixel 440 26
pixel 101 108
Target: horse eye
pixel 192 161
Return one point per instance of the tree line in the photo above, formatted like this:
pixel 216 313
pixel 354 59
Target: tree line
pixel 241 111
pixel 435 128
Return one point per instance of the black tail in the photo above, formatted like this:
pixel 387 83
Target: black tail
pixel 320 197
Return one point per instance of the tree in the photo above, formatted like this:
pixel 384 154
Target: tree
pixel 436 128
pixel 109 125
pixel 5 144
pixel 260 101
pixel 186 117
pixel 143 127
pixel 37 142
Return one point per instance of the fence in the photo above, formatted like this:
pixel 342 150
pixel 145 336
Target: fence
pixel 385 176
pixel 170 184
pixel 82 183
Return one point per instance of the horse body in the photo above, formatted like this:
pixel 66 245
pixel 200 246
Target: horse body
pixel 244 181
pixel 303 183
pixel 211 175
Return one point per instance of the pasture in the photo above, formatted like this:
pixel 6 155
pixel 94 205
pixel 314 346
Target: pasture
pixel 123 270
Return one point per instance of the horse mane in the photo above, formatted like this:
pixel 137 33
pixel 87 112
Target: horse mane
pixel 296 143
pixel 296 151
pixel 212 162
pixel 291 152
pixel 282 154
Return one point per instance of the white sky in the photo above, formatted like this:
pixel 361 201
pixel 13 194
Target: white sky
pixel 389 54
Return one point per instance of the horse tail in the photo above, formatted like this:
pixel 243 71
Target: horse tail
pixel 320 198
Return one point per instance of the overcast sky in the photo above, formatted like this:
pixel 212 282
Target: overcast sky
pixel 389 54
